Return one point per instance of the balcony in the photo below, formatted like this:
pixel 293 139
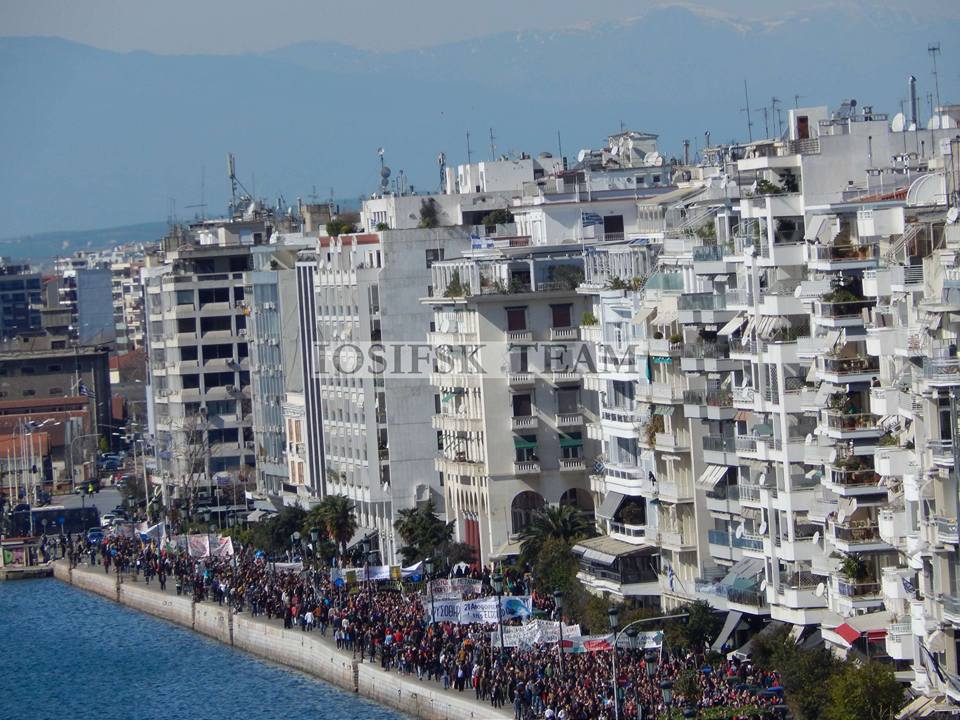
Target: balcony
pixel 558 334
pixel 942 452
pixel 941 372
pixel 859 536
pixel 664 347
pixel 523 422
pixel 845 313
pixel 457 423
pixel 842 425
pixel 526 467
pixel 676 441
pixel 719 450
pixel 559 378
pixel 856 589
pixel 520 379
pixel 843 257
pixel 848 370
pixel 624 414
pixel 708 404
pixel 946 530
pixel 951 608
pixel 848 481
pixel 630 532
pixel 725 539
pixel 569 419
pixel 519 335
pixel 458 465
pixel 572 464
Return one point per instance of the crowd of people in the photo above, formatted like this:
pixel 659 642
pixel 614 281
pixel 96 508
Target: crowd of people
pixel 386 623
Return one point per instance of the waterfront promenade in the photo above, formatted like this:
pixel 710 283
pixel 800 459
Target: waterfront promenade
pixel 307 652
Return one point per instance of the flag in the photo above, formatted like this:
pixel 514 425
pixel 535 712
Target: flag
pixel 83 390
pixel 908 587
pixel 588 218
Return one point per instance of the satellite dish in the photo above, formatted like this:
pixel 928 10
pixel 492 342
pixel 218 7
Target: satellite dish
pixel 952 215
pixel 763 585
pixel 816 538
pixel 899 123
pixel 913 127
pixel 653 159
pixel 833 456
pixel 809 439
pixel 739 532
pixel 762 479
pixel 582 154
pixel 841 515
pixel 820 590
pixel 763 527
pixel 933 123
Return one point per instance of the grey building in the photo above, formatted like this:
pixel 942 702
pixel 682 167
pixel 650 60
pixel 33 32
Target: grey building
pixel 20 298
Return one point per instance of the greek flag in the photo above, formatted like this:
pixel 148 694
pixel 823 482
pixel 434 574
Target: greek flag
pixel 908 587
pixel 588 218
pixel 83 390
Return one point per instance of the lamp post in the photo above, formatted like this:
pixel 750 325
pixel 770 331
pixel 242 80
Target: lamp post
pixel 666 687
pixel 428 568
pixel 497 582
pixel 558 604
pixel 613 615
pixel 371 558
pixel 294 541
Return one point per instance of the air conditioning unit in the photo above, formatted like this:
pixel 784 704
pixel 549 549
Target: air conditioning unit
pixel 231 388
pixel 242 332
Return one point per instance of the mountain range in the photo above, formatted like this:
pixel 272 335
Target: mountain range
pixel 93 138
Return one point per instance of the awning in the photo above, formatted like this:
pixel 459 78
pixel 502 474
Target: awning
pixel 812 229
pixel 743 415
pixel 744 652
pixel 665 410
pixel 665 318
pixel 710 477
pixel 642 314
pixel 744 574
pixel 751 513
pixel 506 550
pixel 729 625
pixel 258 515
pixel 522 444
pixel 567 441
pixel 610 505
pixel 604 550
pixel 913 709
pixel 733 325
pixel 847 633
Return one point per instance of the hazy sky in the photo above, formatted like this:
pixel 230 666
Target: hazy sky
pixel 236 26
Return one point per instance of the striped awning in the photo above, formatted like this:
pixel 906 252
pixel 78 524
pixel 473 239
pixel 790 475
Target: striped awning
pixel 733 325
pixel 711 476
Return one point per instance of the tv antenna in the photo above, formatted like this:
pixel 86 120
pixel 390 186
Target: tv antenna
pixel 234 183
pixel 469 153
pixel 796 100
pixel 746 95
pixel 202 205
pixel 493 145
pixel 774 101
pixel 934 50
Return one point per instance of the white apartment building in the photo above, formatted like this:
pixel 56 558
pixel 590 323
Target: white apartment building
pixel 818 359
pixel 378 443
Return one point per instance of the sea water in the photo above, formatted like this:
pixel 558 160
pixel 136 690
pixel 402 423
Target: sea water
pixel 69 655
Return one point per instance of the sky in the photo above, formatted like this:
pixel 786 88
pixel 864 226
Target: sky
pixel 242 26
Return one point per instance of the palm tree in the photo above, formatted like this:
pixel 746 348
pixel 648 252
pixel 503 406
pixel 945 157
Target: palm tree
pixel 562 522
pixel 336 514
pixel 422 531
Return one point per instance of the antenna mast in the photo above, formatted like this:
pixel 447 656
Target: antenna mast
pixel 746 95
pixel 934 50
pixel 469 153
pixel 493 146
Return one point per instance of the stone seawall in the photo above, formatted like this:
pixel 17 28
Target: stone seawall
pixel 306 652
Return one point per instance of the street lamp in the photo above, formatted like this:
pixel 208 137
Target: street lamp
pixel 371 558
pixel 650 660
pixel 558 604
pixel 497 582
pixel 666 687
pixel 613 616
pixel 428 568
pixel 294 541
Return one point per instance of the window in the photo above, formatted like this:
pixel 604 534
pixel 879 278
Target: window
pixel 55 368
pixel 562 315
pixel 434 255
pixel 571 446
pixel 522 405
pixel 238 294
pixel 525 447
pixel 184 297
pixel 29 393
pixel 518 360
pixel 568 401
pixel 186 325
pixel 26 370
pixel 188 354
pixel 214 295
pixel 191 382
pixel 56 391
pixel 516 319
pixel 219 323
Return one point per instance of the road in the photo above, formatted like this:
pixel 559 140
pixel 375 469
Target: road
pixel 105 500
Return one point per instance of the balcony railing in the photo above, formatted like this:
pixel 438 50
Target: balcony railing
pixel 564 333
pixel 717 443
pixel 619 413
pixel 709 253
pixel 709 351
pixel 635 531
pixel 526 467
pixel 942 369
pixel 799 580
pixel 837 420
pixel 523 422
pixel 846 309
pixel 844 253
pixel 854 478
pixel 941 450
pixel 721 537
pixel 946 529
pixel 849 588
pixel 857 532
pixel 568 419
pixel 702 301
pixel 849 366
pixel 568 464
pixel 711 398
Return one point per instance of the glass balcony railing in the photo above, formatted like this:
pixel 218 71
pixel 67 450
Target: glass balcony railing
pixel 702 301
pixel 717 443
pixel 711 398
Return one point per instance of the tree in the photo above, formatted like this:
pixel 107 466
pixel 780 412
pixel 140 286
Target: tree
pixel 455 288
pixel 338 226
pixel 701 625
pixel 863 692
pixel 190 448
pixel 563 522
pixel 500 216
pixel 422 531
pixel 337 514
pixel 428 213
pixel 688 687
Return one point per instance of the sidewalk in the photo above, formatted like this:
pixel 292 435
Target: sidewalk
pixel 483 709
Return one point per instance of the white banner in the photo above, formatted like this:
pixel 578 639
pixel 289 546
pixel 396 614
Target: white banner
pixel 535 632
pixel 483 610
pixel 198 546
pixel 461 585
pixel 221 547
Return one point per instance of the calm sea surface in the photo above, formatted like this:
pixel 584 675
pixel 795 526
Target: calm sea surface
pixel 66 654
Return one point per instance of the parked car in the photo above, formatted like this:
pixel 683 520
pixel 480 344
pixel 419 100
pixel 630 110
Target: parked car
pixel 95 535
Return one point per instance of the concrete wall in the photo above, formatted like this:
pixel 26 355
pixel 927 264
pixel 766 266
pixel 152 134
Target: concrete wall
pixel 302 651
